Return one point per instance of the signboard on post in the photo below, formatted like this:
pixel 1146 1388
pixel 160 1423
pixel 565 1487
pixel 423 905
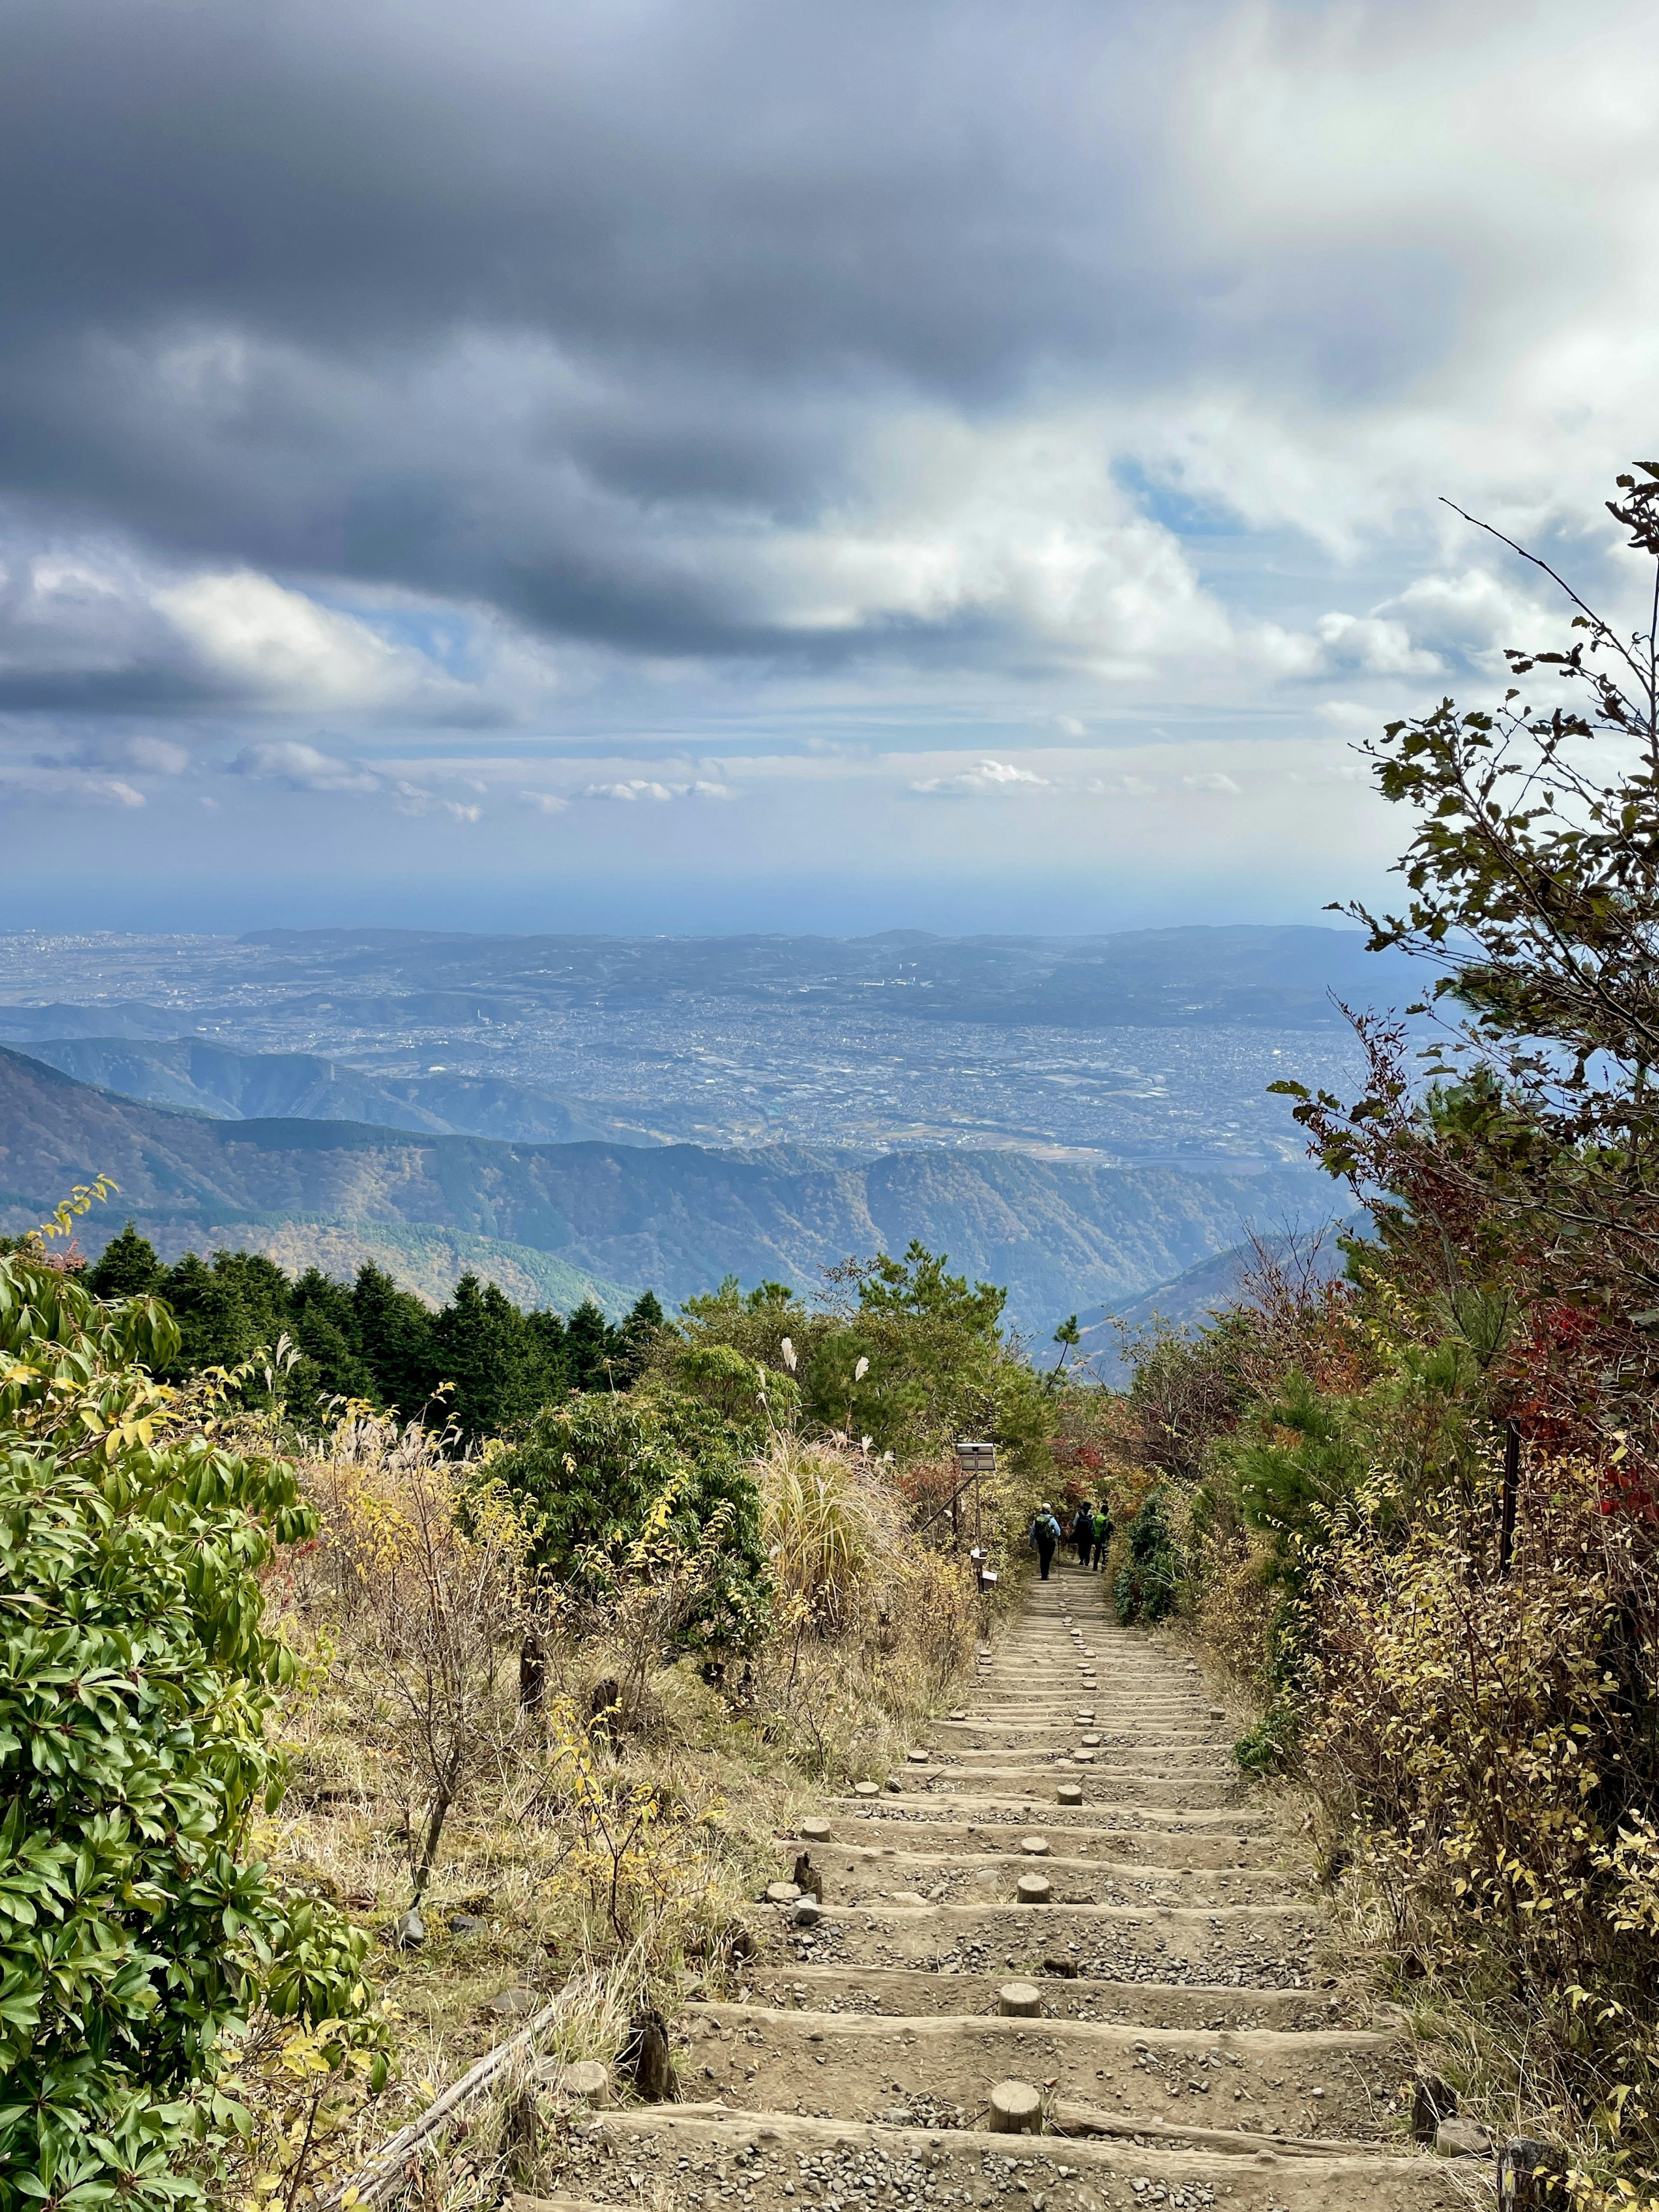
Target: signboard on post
pixel 973 1460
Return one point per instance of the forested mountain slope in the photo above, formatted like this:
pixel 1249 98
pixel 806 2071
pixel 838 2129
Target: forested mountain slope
pixel 1061 1233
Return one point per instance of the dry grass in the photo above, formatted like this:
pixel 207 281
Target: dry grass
pixel 620 1858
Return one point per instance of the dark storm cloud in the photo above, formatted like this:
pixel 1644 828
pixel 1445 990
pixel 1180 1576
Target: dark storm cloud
pixel 939 188
pixel 518 304
pixel 765 333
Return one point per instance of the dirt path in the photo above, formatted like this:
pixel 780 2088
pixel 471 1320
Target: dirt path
pixel 1187 2049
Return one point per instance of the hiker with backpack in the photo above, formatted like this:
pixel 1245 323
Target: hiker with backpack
pixel 1099 1537
pixel 1045 1535
pixel 1083 1531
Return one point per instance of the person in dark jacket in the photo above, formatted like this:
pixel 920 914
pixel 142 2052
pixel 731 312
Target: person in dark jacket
pixel 1045 1535
pixel 1100 1537
pixel 1083 1531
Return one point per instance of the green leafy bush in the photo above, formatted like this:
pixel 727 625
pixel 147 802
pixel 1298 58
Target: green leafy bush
pixel 589 1475
pixel 1145 1588
pixel 135 1932
pixel 904 1353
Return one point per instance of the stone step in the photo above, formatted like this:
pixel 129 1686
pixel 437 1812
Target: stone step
pixel 704 2156
pixel 1250 1946
pixel 894 1991
pixel 1206 1842
pixel 1102 1785
pixel 852 1873
pixel 1329 2082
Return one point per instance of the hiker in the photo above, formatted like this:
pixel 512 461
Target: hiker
pixel 1045 1535
pixel 1083 1531
pixel 1099 1537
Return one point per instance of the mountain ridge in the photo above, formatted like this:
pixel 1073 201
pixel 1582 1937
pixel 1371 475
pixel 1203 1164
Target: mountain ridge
pixel 196 1075
pixel 1059 1235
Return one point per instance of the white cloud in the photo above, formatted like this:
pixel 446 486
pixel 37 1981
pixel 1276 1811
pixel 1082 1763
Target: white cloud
pixel 160 756
pixel 301 767
pixel 545 802
pixel 990 776
pixel 67 785
pixel 286 649
pixel 636 787
pixel 1213 779
pixel 1351 716
pixel 1474 615
pixel 1374 646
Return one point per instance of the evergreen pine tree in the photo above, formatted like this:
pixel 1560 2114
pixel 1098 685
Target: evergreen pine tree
pixel 127 1268
pixel 394 1340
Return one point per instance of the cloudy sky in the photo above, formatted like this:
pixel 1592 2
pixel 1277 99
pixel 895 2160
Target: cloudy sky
pixel 631 463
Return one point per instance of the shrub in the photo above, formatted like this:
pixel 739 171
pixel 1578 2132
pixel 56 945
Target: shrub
pixel 1145 1588
pixel 136 1933
pixel 429 1564
pixel 589 1476
pixel 1486 1742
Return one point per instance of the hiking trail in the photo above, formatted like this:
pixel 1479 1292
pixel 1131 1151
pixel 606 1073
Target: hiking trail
pixel 1163 2001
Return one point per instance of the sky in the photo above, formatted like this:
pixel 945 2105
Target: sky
pixel 631 463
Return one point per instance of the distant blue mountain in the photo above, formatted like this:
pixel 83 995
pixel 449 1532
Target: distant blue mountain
pixel 1060 1234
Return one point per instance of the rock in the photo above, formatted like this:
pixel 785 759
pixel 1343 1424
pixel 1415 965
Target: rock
pixel 807 1913
pixel 1461 2139
pixel 959 1716
pixel 1066 1969
pixel 646 2057
pixel 896 1786
pixel 409 1930
pixel 866 1788
pixel 1019 2000
pixel 465 1923
pixel 782 1892
pixel 1433 2101
pixel 816 1828
pixel 1035 1847
pixel 1015 2109
pixel 511 2004
pixel 1070 1793
pixel 1033 1889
